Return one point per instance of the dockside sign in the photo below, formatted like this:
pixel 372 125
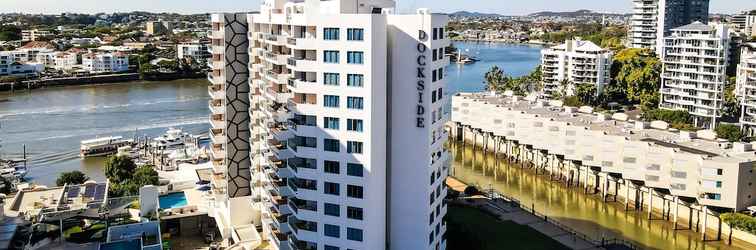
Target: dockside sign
pixel 421 62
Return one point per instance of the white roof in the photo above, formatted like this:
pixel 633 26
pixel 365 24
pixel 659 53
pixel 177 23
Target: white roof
pixel 580 45
pixel 102 140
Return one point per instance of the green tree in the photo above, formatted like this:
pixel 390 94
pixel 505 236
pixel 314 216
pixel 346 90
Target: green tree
pixel 119 169
pixel 495 79
pixel 731 106
pixel 10 33
pixel 638 71
pixel 586 93
pixel 730 132
pixel 71 178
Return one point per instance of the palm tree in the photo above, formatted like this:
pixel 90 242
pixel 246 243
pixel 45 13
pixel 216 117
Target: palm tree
pixel 495 78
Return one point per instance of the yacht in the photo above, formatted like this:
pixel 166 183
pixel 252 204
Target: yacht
pixel 173 138
pixel 103 146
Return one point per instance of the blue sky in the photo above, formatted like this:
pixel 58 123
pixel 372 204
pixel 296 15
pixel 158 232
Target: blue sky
pixel 509 7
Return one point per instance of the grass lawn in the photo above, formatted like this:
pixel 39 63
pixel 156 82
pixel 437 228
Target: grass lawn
pixel 477 230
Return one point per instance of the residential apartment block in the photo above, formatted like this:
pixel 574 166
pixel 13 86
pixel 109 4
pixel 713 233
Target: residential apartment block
pixel 10 67
pixel 197 51
pixel 34 35
pixel 573 63
pixel 746 87
pixel 693 167
pixel 653 19
pixel 744 23
pixel 105 62
pixel 695 61
pixel 328 125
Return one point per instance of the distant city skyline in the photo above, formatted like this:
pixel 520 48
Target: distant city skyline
pixel 504 7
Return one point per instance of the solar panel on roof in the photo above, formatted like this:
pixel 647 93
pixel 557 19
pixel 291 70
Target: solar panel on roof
pixel 100 192
pixel 73 191
pixel 89 191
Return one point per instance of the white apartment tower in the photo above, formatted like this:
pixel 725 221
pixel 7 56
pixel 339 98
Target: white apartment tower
pixel 694 71
pixel 576 62
pixel 652 20
pixel 746 87
pixel 343 104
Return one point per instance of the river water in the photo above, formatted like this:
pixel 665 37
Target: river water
pixel 52 122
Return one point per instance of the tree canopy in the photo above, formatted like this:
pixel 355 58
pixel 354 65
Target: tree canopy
pixel 730 132
pixel 10 33
pixel 119 169
pixel 638 73
pixel 71 178
pixel 497 80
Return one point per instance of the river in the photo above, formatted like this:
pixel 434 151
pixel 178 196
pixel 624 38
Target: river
pixel 52 122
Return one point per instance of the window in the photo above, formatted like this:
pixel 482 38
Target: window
pixel 435 34
pixel 331 145
pixel 331 101
pixel 331 188
pixel 354 213
pixel 331 230
pixel 331 123
pixel 331 56
pixel 354 234
pixel 354 191
pixel 354 147
pixel 433 97
pixel 355 57
pixel 355 80
pixel 440 74
pixel 331 167
pixel 331 34
pixel 331 209
pixel 354 125
pixel 354 102
pixel 354 169
pixel 331 79
pixel 440 33
pixel 327 247
pixel 355 34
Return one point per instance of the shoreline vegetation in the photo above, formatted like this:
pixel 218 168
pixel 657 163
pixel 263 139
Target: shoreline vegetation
pixel 505 41
pixel 10 87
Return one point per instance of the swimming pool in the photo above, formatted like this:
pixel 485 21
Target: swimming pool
pixel 174 200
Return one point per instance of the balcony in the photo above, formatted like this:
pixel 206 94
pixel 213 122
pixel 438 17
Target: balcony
pixel 217 123
pixel 216 93
pixel 280 239
pixel 216 107
pixel 217 136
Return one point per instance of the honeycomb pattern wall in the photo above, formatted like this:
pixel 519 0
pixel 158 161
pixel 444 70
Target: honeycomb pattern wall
pixel 237 105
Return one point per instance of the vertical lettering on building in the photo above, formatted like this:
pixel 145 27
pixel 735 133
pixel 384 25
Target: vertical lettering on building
pixel 421 62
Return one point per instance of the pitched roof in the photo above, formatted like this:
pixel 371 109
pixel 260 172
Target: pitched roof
pixel 580 45
pixel 38 44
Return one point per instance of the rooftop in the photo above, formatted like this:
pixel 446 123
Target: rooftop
pixel 619 124
pixel 695 26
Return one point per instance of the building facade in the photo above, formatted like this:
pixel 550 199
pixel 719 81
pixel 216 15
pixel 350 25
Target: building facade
pixel 694 69
pixel 746 87
pixel 344 110
pixel 745 23
pixel 693 167
pixel 34 35
pixel 653 20
pixel 576 62
pixel 10 67
pixel 197 51
pixel 105 62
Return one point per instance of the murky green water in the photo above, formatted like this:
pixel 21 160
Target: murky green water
pixel 570 206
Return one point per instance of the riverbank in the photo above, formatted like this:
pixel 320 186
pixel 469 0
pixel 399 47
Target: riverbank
pixel 586 212
pixel 505 41
pixel 94 80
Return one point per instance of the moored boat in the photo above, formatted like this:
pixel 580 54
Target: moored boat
pixel 103 146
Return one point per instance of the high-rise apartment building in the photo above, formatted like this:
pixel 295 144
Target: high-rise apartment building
pixel 745 23
pixel 328 125
pixel 694 71
pixel 746 87
pixel 576 62
pixel 653 19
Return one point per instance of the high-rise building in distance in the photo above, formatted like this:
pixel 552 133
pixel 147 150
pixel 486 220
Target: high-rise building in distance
pixel 328 125
pixel 653 20
pixel 576 62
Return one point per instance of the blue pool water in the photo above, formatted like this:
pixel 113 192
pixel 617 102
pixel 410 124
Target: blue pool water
pixel 174 200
